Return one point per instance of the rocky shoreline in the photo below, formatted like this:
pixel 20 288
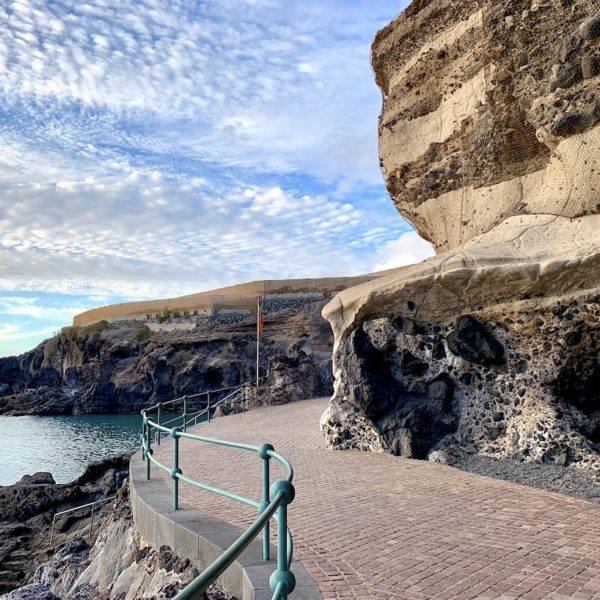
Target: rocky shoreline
pixel 113 562
pixel 123 367
pixel 117 563
pixel 27 509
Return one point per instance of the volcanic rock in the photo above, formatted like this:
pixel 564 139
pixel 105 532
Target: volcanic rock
pixel 124 367
pixel 490 145
pixel 119 564
pixel 27 509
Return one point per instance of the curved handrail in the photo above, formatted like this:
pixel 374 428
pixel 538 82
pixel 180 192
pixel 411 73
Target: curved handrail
pixel 273 504
pixel 193 417
pixel 206 411
pixel 208 392
pixel 217 568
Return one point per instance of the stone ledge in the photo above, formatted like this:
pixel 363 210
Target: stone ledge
pixel 202 538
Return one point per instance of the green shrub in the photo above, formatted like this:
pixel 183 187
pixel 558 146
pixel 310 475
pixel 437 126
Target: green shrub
pixel 165 315
pixel 251 350
pixel 72 333
pixel 99 326
pixel 143 334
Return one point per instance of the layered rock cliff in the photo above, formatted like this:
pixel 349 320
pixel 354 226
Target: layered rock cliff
pixel 121 367
pixel 489 110
pixel 490 146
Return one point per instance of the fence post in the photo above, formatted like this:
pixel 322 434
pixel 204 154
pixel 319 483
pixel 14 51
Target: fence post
pixel 208 407
pixel 175 471
pixel 263 452
pixel 148 450
pixel 184 412
pixel 282 580
pixel 92 522
pixel 158 407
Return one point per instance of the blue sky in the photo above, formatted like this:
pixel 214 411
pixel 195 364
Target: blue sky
pixel 154 148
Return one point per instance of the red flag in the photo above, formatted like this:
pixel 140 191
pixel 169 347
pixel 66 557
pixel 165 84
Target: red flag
pixel 260 324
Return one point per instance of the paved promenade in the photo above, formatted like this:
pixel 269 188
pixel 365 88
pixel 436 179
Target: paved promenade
pixel 372 526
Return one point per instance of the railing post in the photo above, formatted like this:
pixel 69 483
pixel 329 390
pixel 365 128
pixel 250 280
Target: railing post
pixel 148 449
pixel 52 532
pixel 184 412
pixel 175 471
pixel 282 580
pixel 143 434
pixel 158 407
pixel 208 407
pixel 92 522
pixel 263 452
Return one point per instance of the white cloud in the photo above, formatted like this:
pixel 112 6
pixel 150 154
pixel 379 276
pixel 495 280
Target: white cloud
pixel 134 238
pixel 408 249
pixel 13 333
pixel 18 306
pixel 206 81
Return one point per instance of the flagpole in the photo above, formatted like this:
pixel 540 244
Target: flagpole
pixel 257 339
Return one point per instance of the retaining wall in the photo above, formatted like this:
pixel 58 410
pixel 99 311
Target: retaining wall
pixel 196 535
pixel 235 296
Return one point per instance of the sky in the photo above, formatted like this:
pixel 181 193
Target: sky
pixel 153 148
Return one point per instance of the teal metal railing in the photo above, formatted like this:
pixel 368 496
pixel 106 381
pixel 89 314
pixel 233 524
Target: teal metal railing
pixel 273 505
pixel 185 418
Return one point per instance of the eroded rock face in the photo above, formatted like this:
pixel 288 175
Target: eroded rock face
pixel 124 366
pixel 390 383
pixel 490 145
pixel 489 110
pixel 119 564
pixel 493 347
pixel 522 383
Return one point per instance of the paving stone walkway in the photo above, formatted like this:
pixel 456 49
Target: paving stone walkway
pixel 372 526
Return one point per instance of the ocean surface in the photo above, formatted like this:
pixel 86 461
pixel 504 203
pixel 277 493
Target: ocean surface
pixel 64 446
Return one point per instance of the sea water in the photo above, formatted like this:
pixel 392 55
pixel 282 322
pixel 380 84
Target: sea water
pixel 64 445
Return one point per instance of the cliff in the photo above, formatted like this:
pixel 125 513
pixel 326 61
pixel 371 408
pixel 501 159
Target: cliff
pixel 489 111
pixel 489 145
pixel 121 367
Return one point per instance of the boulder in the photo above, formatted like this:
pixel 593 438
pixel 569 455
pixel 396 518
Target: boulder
pixel 490 146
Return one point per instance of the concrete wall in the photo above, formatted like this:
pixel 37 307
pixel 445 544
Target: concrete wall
pixel 172 326
pixel 236 296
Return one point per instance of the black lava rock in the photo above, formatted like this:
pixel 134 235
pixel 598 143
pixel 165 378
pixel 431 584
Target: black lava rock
pixel 472 341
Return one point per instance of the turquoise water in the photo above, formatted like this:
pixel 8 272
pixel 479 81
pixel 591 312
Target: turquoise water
pixel 64 446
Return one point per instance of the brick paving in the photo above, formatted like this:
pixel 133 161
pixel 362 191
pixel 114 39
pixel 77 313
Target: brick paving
pixel 377 527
